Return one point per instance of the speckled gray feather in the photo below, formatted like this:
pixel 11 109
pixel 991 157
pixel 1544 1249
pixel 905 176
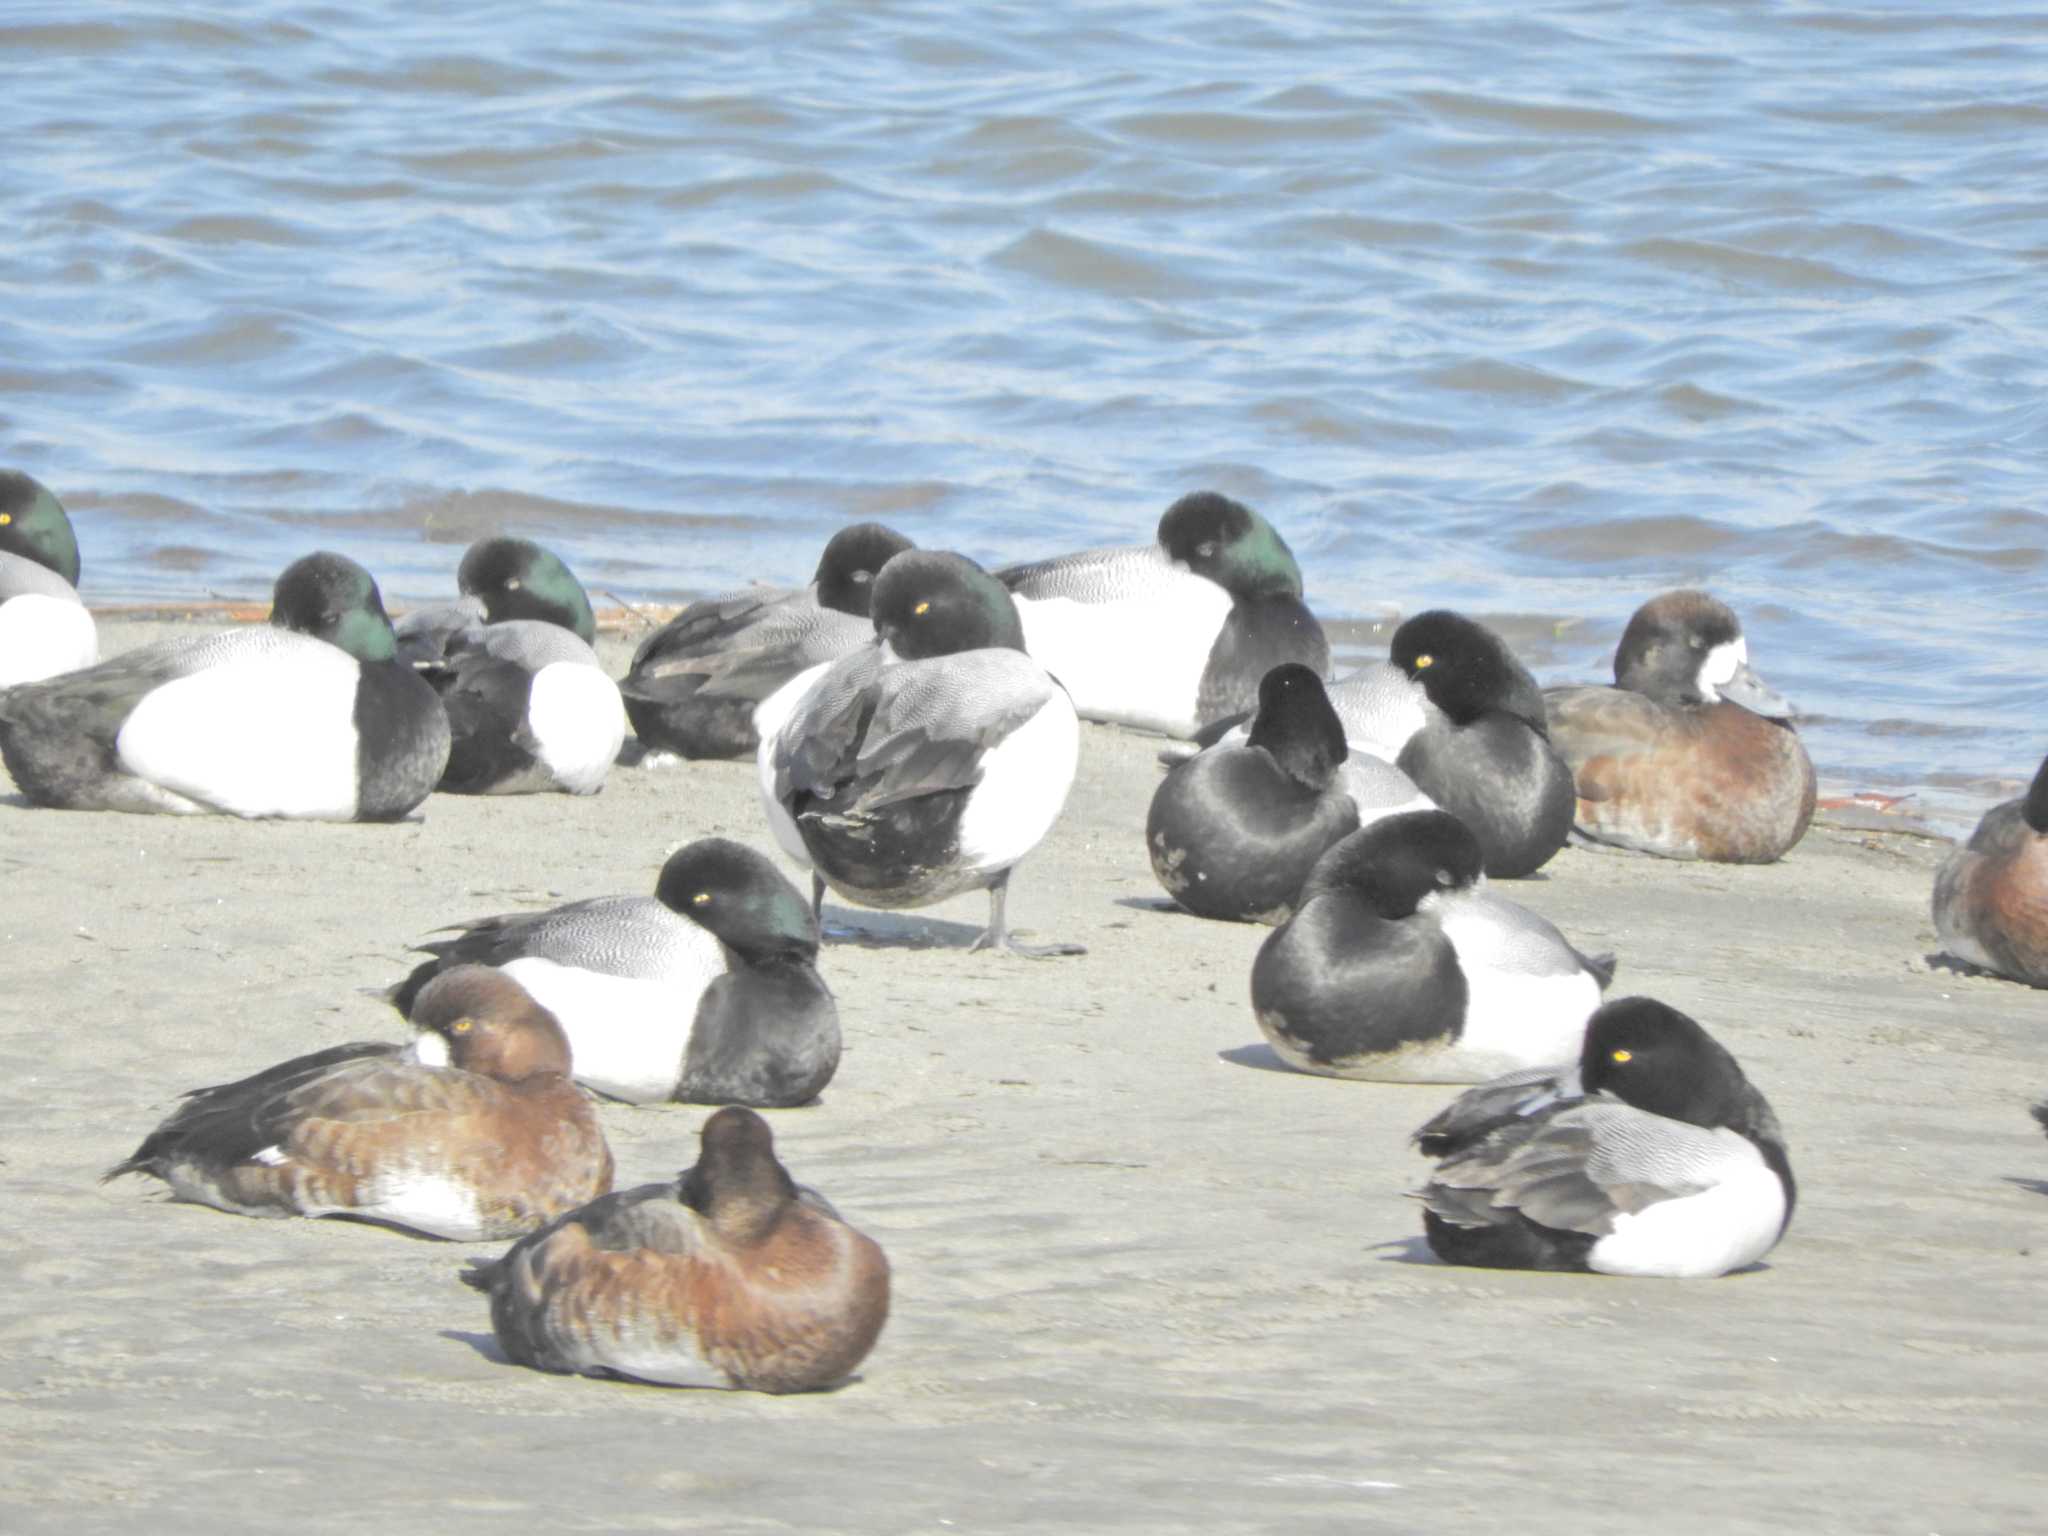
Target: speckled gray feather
pixel 633 936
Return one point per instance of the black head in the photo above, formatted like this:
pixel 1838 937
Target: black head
pixel 740 897
pixel 517 579
pixel 1667 643
pixel 331 598
pixel 738 1184
pixel 2035 807
pixel 846 570
pixel 1398 860
pixel 1298 725
pixel 491 1024
pixel 932 603
pixel 1648 1054
pixel 34 525
pixel 1230 544
pixel 1467 669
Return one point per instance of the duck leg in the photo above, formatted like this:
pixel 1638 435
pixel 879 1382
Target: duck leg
pixel 997 935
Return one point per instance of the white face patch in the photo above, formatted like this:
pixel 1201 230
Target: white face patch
pixel 1721 664
pixel 430 1050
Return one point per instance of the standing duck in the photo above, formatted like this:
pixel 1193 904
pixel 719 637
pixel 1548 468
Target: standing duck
pixel 1172 635
pixel 1689 755
pixel 928 762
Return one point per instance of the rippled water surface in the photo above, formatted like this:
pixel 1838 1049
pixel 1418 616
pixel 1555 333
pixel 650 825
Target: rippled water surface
pixel 1528 310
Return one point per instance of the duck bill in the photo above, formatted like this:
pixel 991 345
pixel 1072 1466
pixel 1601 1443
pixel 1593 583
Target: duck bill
pixel 1755 695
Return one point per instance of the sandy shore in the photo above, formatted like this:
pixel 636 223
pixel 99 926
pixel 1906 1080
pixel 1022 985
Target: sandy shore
pixel 1144 1280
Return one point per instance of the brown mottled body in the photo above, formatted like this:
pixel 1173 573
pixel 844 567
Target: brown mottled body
pixel 1991 896
pixel 730 1277
pixel 489 1146
pixel 1691 755
pixel 1710 781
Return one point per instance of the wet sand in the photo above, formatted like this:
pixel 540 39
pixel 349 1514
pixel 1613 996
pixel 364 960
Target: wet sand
pixel 1144 1279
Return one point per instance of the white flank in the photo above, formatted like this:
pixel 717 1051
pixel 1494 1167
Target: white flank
pixel 1527 999
pixel 627 1035
pixel 269 1157
pixel 1137 660
pixel 1697 1236
pixel 269 733
pixel 579 723
pixel 770 716
pixel 426 1202
pixel 1024 783
pixel 41 636
pixel 1721 664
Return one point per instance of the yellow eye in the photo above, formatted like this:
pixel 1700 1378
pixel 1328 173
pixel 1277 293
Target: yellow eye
pixel 6 518
pixel 512 584
pixel 923 608
pixel 461 1026
pixel 1623 1056
pixel 702 898
pixel 1424 661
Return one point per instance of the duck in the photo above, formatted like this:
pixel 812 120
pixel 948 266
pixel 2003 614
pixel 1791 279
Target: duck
pixel 474 1133
pixel 312 716
pixel 1653 1156
pixel 500 578
pixel 1171 635
pixel 1991 894
pixel 1454 710
pixel 45 628
pixel 695 683
pixel 706 992
pixel 731 1276
pixel 1690 755
pixel 1233 830
pixel 530 709
pixel 1400 965
pixel 930 761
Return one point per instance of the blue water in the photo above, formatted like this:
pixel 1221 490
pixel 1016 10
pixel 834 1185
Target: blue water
pixel 1532 311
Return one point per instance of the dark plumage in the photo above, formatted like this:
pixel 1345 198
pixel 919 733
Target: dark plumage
pixel 1233 831
pixel 695 682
